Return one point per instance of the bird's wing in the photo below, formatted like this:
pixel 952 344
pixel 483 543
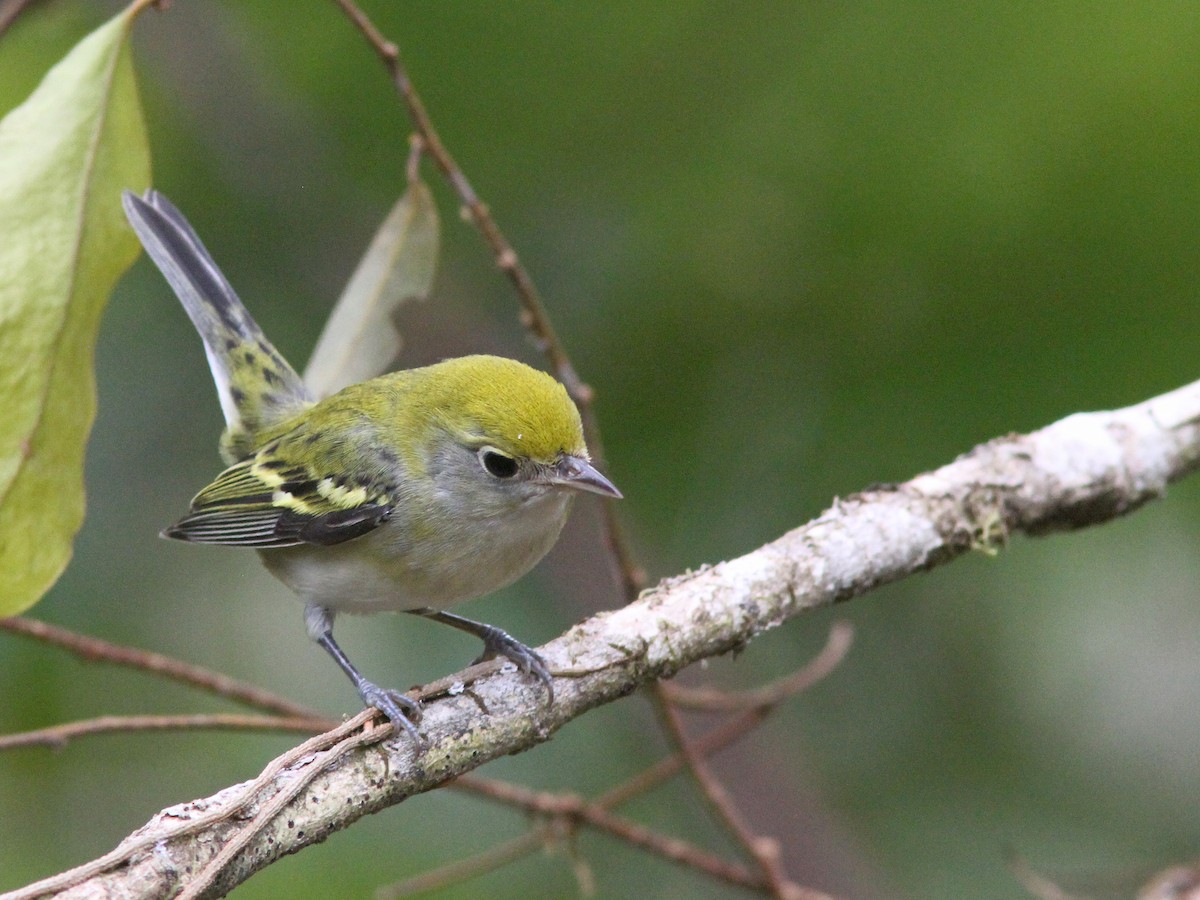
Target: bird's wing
pixel 265 502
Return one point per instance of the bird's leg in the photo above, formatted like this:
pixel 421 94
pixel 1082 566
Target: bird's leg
pixel 496 642
pixel 402 710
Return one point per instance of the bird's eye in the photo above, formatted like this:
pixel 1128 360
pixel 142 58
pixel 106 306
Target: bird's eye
pixel 497 464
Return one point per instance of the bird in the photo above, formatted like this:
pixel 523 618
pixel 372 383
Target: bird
pixel 408 492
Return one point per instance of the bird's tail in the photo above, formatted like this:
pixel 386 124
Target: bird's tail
pixel 256 386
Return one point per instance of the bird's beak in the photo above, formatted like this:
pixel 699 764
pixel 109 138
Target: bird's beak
pixel 577 473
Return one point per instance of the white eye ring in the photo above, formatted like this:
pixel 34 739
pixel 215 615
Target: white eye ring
pixel 497 464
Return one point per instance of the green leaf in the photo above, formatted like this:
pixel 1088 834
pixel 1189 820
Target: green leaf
pixel 361 339
pixel 65 155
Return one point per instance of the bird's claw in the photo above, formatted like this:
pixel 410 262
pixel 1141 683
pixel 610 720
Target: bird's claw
pixel 403 711
pixel 497 642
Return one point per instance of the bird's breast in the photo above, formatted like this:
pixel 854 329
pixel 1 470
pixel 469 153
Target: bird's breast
pixel 401 566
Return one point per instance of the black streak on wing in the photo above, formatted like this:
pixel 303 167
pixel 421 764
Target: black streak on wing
pixel 333 527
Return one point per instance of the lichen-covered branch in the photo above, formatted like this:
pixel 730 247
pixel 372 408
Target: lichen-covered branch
pixel 1081 471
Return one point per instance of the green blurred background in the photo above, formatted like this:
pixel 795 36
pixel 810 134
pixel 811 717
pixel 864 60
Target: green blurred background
pixel 797 248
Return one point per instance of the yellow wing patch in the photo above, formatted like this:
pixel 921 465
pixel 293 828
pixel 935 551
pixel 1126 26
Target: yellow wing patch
pixel 265 502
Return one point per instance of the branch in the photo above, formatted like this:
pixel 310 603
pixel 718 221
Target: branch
pixel 767 697
pixel 534 316
pixel 533 310
pixel 558 816
pixel 58 736
pixel 10 10
pixel 765 851
pixel 95 649
pixel 575 809
pixel 1083 470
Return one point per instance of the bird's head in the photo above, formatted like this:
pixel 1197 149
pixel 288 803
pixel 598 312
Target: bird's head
pixel 519 426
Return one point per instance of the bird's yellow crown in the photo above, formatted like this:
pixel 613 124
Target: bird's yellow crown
pixel 521 410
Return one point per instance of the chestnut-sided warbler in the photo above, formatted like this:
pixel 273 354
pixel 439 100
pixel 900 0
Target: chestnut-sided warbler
pixel 408 492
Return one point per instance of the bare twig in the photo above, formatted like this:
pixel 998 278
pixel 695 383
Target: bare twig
pixel 534 316
pixel 576 809
pixel 318 764
pixel 693 753
pixel 709 743
pixel 96 650
pixel 793 586
pixel 841 634
pixel 834 651
pixel 765 852
pixel 10 10
pixel 536 319
pixel 633 578
pixel 471 867
pixel 763 702
pixel 181 821
pixel 1036 883
pixel 57 736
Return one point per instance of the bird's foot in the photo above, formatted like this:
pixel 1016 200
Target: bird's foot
pixel 403 711
pixel 497 642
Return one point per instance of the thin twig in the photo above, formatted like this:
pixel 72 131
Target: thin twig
pixel 841 634
pixel 269 810
pixel 246 792
pixel 764 701
pixel 412 166
pixel 670 848
pixel 579 810
pixel 534 313
pixel 465 869
pixel 693 753
pixel 57 736
pixel 290 717
pixel 633 578
pixel 1033 881
pixel 835 649
pixel 534 316
pixel 96 650
pixel 10 10
pixel 763 851
pixel 711 742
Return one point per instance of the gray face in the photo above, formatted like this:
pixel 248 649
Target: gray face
pixel 495 483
